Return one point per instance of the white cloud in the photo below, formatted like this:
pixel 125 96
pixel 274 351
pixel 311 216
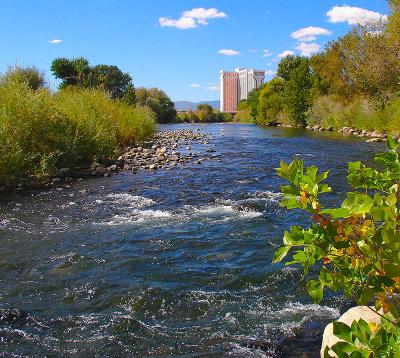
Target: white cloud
pixel 267 53
pixel 309 33
pixel 182 23
pixel 286 53
pixel 202 15
pixel 354 15
pixel 194 85
pixel 212 88
pixel 270 73
pixel 227 52
pixel 308 49
pixel 55 41
pixel 192 18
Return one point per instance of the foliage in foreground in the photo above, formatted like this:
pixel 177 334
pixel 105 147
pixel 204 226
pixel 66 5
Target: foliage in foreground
pixel 41 132
pixel 356 246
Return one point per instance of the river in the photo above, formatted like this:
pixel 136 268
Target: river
pixel 167 263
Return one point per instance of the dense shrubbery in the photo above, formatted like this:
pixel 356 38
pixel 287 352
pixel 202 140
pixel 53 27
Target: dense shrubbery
pixel 352 83
pixel 204 114
pixel 41 131
pixel 356 247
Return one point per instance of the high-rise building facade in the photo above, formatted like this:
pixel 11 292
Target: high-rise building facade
pixel 236 86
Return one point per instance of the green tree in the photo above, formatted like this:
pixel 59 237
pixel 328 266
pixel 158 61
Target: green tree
pixel 129 96
pixel 159 102
pixel 252 102
pixel 71 71
pixel 111 79
pixel 287 65
pixel 270 102
pixel 297 92
pixel 205 113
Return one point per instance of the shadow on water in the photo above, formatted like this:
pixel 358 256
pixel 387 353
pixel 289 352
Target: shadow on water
pixel 168 263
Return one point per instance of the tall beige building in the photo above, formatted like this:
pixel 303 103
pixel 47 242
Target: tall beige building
pixel 236 86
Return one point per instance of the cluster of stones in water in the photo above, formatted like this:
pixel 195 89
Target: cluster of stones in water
pixel 161 151
pixel 374 136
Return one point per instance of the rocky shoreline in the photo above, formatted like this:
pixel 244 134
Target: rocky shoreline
pixel 374 136
pixel 167 149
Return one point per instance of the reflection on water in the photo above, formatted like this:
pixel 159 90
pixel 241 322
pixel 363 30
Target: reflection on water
pixel 168 263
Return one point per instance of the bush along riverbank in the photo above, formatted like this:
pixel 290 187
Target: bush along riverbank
pixel 352 83
pixel 48 136
pixel 41 133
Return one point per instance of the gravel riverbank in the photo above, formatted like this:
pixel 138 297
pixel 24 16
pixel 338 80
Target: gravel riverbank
pixel 167 149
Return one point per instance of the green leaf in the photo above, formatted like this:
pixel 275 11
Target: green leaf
pixel 365 295
pixel 342 331
pixel 343 349
pixel 280 254
pixel 365 330
pixel 337 213
pixel 391 143
pixel 316 290
pixel 290 203
pixel 354 165
pixel 358 203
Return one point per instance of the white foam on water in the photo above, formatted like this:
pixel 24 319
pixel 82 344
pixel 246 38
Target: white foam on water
pixel 68 205
pixel 239 351
pixel 269 196
pixel 130 200
pixel 309 310
pixel 224 213
pixel 137 216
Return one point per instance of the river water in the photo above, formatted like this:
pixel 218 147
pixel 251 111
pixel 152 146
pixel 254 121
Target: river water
pixel 167 263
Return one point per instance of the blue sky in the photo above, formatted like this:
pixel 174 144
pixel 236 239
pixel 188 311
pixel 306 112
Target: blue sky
pixel 173 44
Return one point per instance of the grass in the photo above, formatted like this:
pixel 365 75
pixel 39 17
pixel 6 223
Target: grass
pixel 41 132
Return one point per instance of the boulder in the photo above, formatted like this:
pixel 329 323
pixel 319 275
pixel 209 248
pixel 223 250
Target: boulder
pixel 374 140
pixel 100 170
pixel 353 314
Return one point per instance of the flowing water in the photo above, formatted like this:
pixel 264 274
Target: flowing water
pixel 166 263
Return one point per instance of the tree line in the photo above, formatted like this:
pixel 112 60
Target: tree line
pixel 353 82
pixel 78 72
pixel 204 113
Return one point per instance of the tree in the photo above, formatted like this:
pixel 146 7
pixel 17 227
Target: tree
pixel 129 96
pixel 252 101
pixel 297 92
pixel 205 113
pixel 394 20
pixel 71 71
pixel 159 102
pixel 111 79
pixel 270 102
pixel 287 65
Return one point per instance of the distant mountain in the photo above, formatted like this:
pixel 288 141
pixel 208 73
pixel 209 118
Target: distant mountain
pixel 187 105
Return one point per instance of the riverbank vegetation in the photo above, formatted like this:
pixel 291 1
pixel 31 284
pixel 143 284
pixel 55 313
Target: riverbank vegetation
pixel 204 113
pixel 42 131
pixel 354 249
pixel 353 83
